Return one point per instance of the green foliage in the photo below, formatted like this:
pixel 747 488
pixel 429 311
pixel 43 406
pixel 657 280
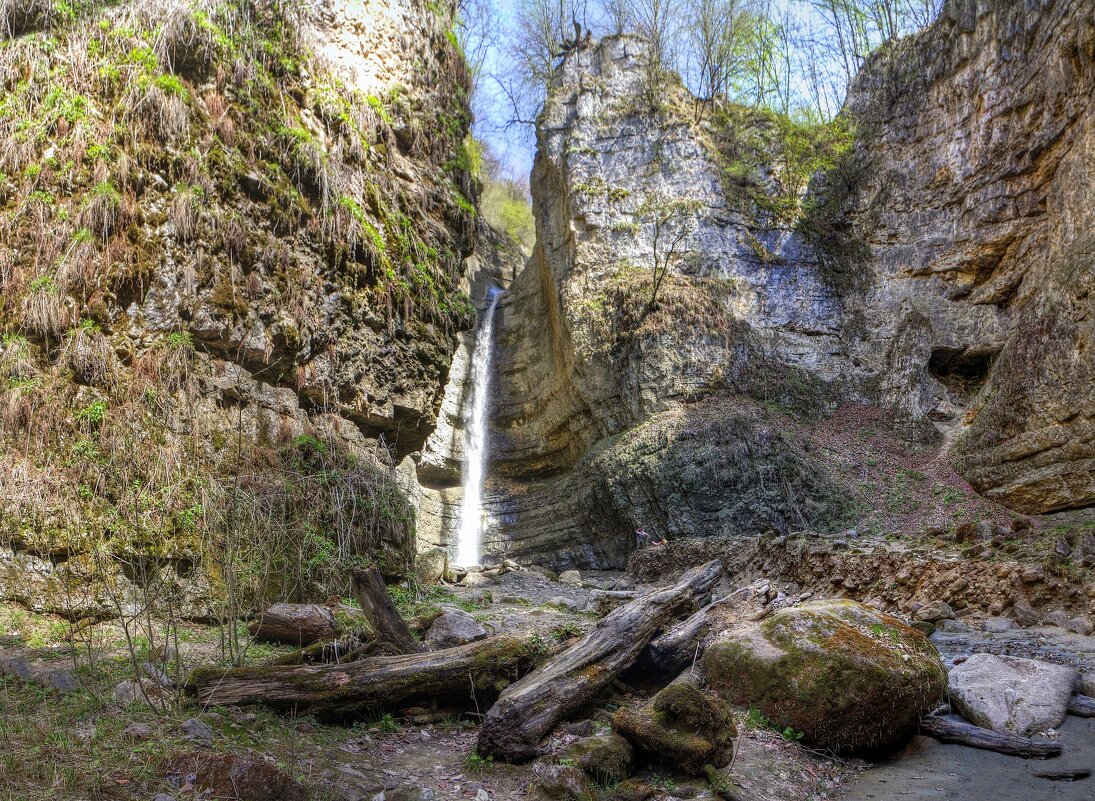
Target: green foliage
pixel 180 340
pixel 93 414
pixel 474 764
pixel 377 105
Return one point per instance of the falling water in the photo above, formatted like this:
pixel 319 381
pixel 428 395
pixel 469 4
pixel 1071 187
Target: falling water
pixel 475 441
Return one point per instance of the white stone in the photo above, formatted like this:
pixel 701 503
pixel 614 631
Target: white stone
pixel 1011 694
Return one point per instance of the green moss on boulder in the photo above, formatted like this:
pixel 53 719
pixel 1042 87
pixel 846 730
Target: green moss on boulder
pixel 847 677
pixel 683 727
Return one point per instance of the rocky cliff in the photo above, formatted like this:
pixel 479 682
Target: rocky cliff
pixel 233 274
pixel 706 307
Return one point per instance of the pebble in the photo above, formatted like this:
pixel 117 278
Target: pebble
pixel 194 729
pixel 996 625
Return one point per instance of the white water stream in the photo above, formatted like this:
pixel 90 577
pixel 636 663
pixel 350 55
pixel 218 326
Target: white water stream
pixel 475 441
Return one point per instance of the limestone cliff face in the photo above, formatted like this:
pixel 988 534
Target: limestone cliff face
pixel 977 203
pixel 233 264
pixel 961 225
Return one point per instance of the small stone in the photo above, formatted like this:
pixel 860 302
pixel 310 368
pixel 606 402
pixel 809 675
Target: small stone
pixel 996 625
pixel 137 731
pixel 194 729
pixel 567 603
pixel 954 627
pixel 572 578
pixel 482 795
pixel 1023 614
pixel 1057 618
pixel 1062 548
pixel 934 611
pixel 1081 625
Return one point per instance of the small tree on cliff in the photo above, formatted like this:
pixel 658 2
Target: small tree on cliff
pixel 666 222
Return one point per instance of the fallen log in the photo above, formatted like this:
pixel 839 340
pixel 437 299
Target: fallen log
pixel 372 593
pixel 347 690
pixel 674 650
pixel 528 710
pixel 356 645
pixel 961 733
pixel 1082 706
pixel 295 624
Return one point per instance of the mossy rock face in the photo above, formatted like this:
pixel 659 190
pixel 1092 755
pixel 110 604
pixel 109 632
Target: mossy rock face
pixel 848 677
pixel 607 758
pixel 683 727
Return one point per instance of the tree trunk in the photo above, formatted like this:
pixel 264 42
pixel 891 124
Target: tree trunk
pixel 956 731
pixel 528 710
pixel 371 592
pixel 1081 706
pixel 383 682
pixel 677 648
pixel 295 624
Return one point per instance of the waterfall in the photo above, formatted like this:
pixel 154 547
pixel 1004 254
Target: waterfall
pixel 475 440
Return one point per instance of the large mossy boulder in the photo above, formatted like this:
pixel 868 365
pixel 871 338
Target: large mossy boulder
pixel 684 727
pixel 848 677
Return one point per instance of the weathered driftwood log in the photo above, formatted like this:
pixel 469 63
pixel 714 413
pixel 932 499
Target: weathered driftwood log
pixel 295 624
pixel 349 689
pixel 371 592
pixel 529 709
pixel 961 733
pixel 1081 706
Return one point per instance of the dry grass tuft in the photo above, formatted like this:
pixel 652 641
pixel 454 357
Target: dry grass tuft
pixel 89 356
pixel 102 211
pixel 185 212
pixel 45 312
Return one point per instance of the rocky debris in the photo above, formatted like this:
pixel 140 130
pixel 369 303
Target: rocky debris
pixel 571 578
pixel 238 776
pixel 194 729
pixel 1081 625
pixel 954 626
pixel 683 727
pixel 407 792
pixel 846 676
pixel 562 781
pixel 298 625
pixel 430 565
pixel 38 672
pixel 934 611
pixel 547 573
pixel 607 758
pixel 1011 694
pixel 1085 683
pixel 454 627
pixel 996 625
pixel 1024 614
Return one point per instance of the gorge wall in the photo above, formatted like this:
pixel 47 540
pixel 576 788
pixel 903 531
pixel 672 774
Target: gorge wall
pixel 934 281
pixel 234 273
